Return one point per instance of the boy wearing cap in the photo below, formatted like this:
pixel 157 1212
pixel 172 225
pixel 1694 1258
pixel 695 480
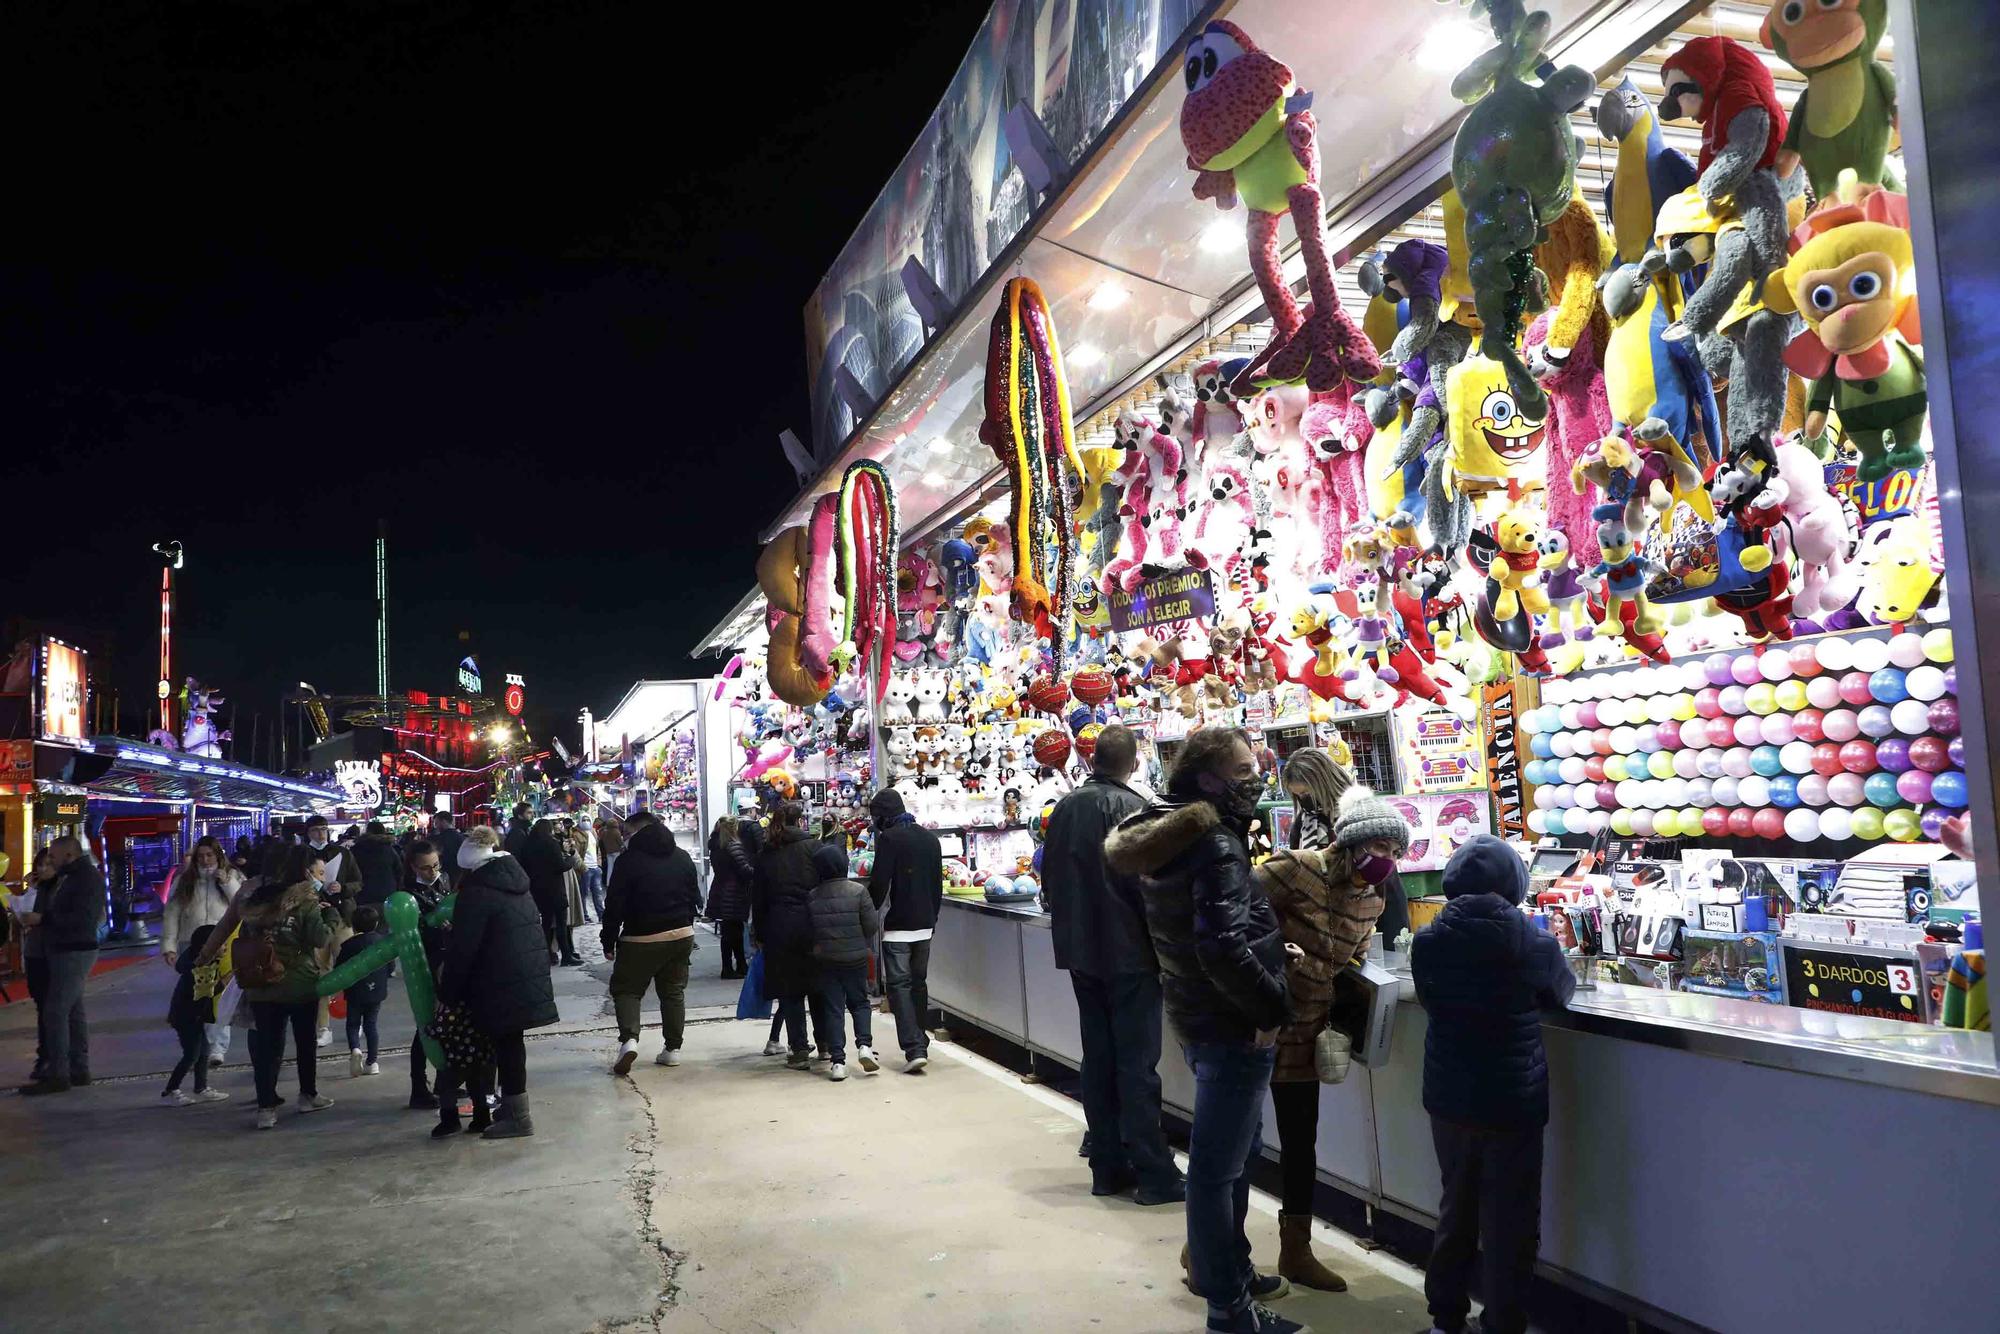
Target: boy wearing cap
pixel 1484 974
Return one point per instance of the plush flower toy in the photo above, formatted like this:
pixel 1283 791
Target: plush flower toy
pixel 1250 133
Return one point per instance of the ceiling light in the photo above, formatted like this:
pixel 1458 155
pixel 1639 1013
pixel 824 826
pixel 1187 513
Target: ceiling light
pixel 1451 44
pixel 1221 236
pixel 940 446
pixel 933 478
pixel 1108 296
pixel 1084 355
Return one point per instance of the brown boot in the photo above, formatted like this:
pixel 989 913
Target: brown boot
pixel 1295 1255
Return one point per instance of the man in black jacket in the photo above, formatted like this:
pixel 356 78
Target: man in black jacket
pixel 424 880
pixel 69 914
pixel 446 839
pixel 380 866
pixel 1223 963
pixel 518 830
pixel 907 884
pixel 1484 975
pixel 546 864
pixel 1100 938
pixel 648 933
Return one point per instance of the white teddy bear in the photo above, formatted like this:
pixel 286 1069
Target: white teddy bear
pixel 896 699
pixel 931 688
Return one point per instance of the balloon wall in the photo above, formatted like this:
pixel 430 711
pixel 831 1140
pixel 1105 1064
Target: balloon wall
pixel 1828 739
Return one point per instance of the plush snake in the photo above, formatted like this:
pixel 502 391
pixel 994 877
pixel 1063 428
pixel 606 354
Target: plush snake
pixel 866 536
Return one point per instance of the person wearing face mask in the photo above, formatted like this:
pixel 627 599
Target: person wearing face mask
pixel 343 882
pixel 424 880
pixel 1328 896
pixel 1223 963
pixel 201 896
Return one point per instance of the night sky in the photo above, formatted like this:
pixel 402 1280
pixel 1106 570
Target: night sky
pixel 523 279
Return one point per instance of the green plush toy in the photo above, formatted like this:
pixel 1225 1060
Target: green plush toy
pixel 1847 113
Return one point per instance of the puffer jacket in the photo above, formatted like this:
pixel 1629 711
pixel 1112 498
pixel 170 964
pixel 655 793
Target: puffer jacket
pixel 1484 975
pixel 299 924
pixel 203 905
pixel 654 888
pixel 844 922
pixel 729 883
pixel 381 867
pixel 1222 957
pixel 496 961
pixel 781 912
pixel 1328 914
pixel 1099 928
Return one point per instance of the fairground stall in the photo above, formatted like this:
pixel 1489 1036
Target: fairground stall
pixel 652 752
pixel 1555 416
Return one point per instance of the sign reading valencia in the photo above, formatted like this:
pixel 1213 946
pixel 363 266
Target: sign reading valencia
pixel 1179 595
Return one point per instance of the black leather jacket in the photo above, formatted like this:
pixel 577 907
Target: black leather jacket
pixel 1222 956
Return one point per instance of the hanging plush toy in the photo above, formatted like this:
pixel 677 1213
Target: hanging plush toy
pixel 1625 572
pixel 1227 515
pixel 866 537
pixel 1820 537
pixel 1847 114
pixel 1518 566
pixel 1028 427
pixel 1565 349
pixel 1249 132
pixel 1339 491
pixel 1493 443
pixel 1638 478
pixel 1513 162
pixel 1854 284
pixel 783 571
pixel 1217 422
pixel 1728 90
pixel 1752 510
pixel 1647 173
pixel 1097 511
pixel 1899 571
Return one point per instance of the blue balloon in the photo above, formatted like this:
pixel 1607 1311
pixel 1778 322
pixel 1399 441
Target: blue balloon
pixel 1785 791
pixel 1764 760
pixel 1948 789
pixel 1539 744
pixel 1887 686
pixel 1557 825
pixel 1880 790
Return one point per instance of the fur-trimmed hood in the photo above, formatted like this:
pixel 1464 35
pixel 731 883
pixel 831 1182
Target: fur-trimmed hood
pixel 1155 836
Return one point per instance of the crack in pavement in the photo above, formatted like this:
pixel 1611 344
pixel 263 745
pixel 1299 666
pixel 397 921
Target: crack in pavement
pixel 640 1185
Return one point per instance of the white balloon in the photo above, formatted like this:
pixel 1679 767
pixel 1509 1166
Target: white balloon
pixel 1724 792
pixel 1801 824
pixel 1586 796
pixel 1926 682
pixel 1906 650
pixel 1629 793
pixel 1643 824
pixel 1660 708
pixel 1691 675
pixel 1871 655
pixel 1911 717
pixel 1562 745
pixel 1836 654
pixel 1796 756
pixel 1674 790
pixel 1835 823
pixel 1711 762
pixel 1545 797
pixel 1572 715
pixel 1624 740
pixel 1611 712
pixel 1538 822
pixel 1700 792
pixel 1776 666
pixel 1754 791
pixel 1687 763
pixel 1572 769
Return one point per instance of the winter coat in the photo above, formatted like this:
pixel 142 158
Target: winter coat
pixel 496 961
pixel 516 836
pixel 204 905
pixel 543 860
pixel 347 875
pixel 654 888
pixel 781 912
pixel 1324 910
pixel 908 875
pixel 380 867
pixel 447 842
pixel 428 898
pixel 72 908
pixel 1222 957
pixel 1484 975
pixel 1099 927
pixel 844 923
pixel 729 882
pixel 299 923
pixel 185 1007
pixel 374 988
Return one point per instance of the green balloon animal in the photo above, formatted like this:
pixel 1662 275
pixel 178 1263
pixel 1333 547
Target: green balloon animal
pixel 406 943
pixel 1513 164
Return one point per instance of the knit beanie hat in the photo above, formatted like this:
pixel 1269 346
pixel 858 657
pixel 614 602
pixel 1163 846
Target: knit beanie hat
pixel 1363 816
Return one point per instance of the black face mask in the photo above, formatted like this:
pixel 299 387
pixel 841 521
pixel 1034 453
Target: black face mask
pixel 1241 798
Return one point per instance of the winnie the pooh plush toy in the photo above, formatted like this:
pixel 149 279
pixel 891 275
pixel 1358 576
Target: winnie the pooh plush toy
pixel 1518 567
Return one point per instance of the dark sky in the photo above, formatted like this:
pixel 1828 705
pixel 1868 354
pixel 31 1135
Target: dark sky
pixel 524 279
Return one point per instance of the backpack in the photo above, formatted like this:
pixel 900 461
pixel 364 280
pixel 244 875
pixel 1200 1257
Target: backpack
pixel 254 960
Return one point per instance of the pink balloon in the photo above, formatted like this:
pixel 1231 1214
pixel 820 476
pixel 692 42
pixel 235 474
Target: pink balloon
pixel 1743 670
pixel 1823 692
pixel 1779 728
pixel 1854 689
pixel 1669 735
pixel 1914 786
pixel 1749 731
pixel 1841 725
pixel 1721 731
pixel 1846 789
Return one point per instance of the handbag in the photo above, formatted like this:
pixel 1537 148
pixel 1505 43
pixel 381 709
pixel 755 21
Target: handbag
pixel 751 1002
pixel 1333 1053
pixel 463 1044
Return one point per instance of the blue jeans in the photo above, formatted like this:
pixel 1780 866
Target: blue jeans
pixel 361 1019
pixel 1230 1080
pixel 906 966
pixel 843 992
pixel 592 892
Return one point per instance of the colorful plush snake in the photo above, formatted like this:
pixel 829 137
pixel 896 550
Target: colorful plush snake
pixel 1028 426
pixel 866 535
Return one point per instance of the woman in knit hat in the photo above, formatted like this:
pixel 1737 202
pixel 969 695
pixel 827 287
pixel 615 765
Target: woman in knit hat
pixel 1328 898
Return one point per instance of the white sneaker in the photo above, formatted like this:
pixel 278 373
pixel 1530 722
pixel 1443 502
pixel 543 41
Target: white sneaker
pixel 211 1095
pixel 372 1068
pixel 319 1102
pixel 628 1052
pixel 667 1058
pixel 325 1038
pixel 267 1118
pixel 838 1073
pixel 774 1048
pixel 355 1060
pixel 867 1059
pixel 175 1098
pixel 915 1065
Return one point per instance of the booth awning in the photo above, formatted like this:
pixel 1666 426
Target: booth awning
pixel 151 773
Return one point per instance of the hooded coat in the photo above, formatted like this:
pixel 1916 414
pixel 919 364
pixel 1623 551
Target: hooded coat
pixel 654 888
pixel 299 923
pixel 541 857
pixel 496 961
pixel 843 916
pixel 781 912
pixel 1484 975
pixel 730 872
pixel 1222 956
pixel 1328 913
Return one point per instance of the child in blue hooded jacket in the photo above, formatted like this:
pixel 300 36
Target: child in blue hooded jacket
pixel 1484 974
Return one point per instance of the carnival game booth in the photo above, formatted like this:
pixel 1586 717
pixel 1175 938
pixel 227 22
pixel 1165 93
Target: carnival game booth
pixel 1604 492
pixel 652 751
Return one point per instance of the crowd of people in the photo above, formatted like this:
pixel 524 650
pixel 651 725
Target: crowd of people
pixel 1156 906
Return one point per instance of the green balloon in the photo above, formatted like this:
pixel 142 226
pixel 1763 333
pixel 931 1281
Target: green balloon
pixel 405 943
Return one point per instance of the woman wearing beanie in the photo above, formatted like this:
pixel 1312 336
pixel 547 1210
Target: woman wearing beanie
pixel 1328 898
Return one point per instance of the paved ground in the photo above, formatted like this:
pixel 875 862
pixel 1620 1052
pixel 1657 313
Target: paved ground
pixel 728 1194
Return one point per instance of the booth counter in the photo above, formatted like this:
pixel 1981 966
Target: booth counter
pixel 1709 1160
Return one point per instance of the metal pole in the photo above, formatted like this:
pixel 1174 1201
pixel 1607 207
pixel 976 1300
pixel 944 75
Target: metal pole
pixel 1943 54
pixel 382 607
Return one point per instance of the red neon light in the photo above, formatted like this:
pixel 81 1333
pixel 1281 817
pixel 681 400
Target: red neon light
pixel 167 647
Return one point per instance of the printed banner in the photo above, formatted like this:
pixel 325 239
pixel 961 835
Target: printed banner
pixel 1882 985
pixel 1184 595
pixel 1440 823
pixel 1503 762
pixel 1438 751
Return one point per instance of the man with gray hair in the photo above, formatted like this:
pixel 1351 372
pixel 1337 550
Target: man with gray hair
pixel 70 914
